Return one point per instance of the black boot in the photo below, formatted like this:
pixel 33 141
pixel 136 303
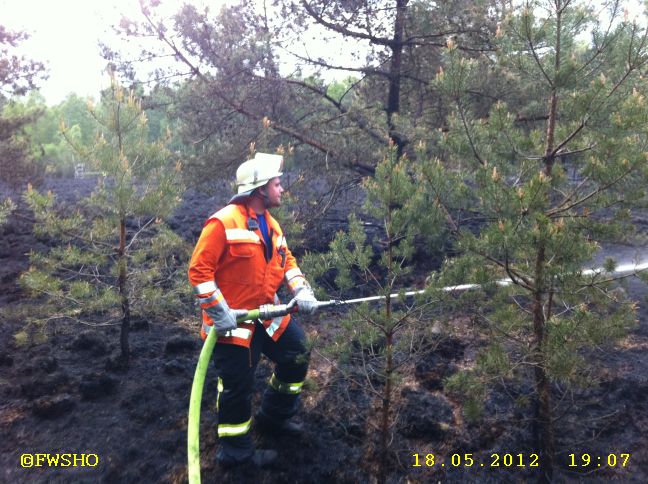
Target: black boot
pixel 269 425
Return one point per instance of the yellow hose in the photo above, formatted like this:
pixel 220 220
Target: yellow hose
pixel 193 425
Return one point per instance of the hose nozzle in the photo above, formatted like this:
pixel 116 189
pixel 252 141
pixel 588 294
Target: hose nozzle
pixel 269 311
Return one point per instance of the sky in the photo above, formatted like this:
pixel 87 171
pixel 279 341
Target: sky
pixel 64 34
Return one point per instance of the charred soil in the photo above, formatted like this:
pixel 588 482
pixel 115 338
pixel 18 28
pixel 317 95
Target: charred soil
pixel 65 394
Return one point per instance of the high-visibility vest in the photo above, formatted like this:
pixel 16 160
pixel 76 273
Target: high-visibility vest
pixel 233 257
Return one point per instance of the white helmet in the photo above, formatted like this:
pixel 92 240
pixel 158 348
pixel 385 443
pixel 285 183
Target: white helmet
pixel 257 172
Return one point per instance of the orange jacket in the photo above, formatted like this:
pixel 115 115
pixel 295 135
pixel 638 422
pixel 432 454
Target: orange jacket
pixel 232 257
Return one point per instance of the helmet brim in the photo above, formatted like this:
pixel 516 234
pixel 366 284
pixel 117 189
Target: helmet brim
pixel 241 197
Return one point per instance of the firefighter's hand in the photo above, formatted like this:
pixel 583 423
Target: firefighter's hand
pixel 238 313
pixel 305 300
pixel 224 318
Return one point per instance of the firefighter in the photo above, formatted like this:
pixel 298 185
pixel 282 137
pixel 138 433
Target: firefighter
pixel 239 262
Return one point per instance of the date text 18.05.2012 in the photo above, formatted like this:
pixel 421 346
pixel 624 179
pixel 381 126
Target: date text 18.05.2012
pixel 467 460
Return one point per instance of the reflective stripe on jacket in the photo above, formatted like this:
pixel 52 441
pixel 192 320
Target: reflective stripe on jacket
pixel 234 257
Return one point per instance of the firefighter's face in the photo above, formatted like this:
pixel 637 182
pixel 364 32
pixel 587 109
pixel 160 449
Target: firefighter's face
pixel 274 190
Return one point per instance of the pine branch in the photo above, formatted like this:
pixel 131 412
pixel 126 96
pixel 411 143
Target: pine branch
pixel 345 31
pixel 338 105
pixel 467 131
pixel 530 42
pixel 364 70
pixel 594 284
pixel 569 197
pixel 561 209
pixel 237 107
pixel 136 235
pixel 515 276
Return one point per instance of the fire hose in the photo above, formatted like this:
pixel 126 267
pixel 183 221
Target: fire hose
pixel 269 311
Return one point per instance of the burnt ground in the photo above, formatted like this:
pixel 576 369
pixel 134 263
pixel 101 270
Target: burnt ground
pixel 64 395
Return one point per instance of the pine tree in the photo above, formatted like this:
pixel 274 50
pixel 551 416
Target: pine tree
pixel 552 172
pixel 379 341
pixel 16 165
pixel 18 75
pixel 6 208
pixel 115 256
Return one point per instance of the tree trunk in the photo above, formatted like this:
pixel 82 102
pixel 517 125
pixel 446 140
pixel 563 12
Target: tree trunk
pixel 123 293
pixel 543 424
pixel 386 407
pixel 389 346
pixel 393 98
pixel 122 262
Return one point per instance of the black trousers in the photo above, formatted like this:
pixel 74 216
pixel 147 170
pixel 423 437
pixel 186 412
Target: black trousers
pixel 236 366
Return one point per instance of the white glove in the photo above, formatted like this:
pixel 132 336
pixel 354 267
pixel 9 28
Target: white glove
pixel 305 300
pixel 224 318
